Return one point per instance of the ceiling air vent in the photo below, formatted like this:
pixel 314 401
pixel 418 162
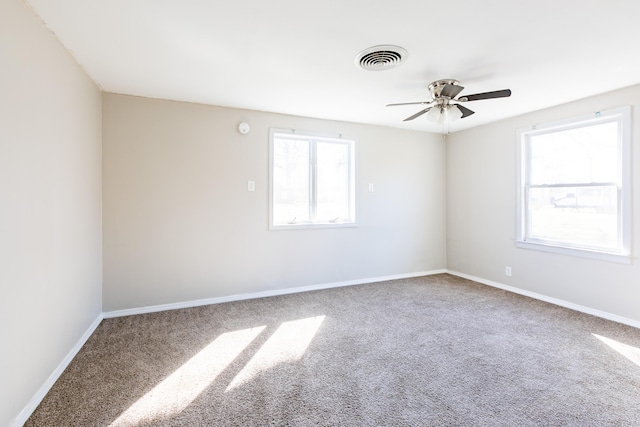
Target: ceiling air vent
pixel 378 58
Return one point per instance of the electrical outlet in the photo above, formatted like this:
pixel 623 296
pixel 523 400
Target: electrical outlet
pixel 251 186
pixel 507 271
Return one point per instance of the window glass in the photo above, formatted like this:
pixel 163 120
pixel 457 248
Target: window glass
pixel 290 180
pixel 580 155
pixel 312 180
pixel 574 184
pixel 333 181
pixel 578 216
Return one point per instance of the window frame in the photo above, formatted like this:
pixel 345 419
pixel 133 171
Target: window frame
pixel 622 254
pixel 314 138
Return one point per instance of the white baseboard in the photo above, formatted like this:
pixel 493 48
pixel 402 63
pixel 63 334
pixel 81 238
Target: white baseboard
pixel 263 294
pixel 545 298
pixel 24 415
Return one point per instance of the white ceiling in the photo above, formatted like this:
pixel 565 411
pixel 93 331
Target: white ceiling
pixel 297 57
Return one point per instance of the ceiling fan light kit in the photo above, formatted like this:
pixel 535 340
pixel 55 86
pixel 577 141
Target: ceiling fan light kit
pixel 454 112
pixel 444 104
pixel 450 113
pixel 434 115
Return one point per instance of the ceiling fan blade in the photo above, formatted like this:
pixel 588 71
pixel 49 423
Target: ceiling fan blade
pixel 410 103
pixel 486 95
pixel 418 114
pixel 465 111
pixel 451 91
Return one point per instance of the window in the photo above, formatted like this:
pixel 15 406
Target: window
pixel 312 180
pixel 574 186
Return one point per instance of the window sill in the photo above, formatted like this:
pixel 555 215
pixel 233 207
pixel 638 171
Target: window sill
pixel 312 226
pixel 583 253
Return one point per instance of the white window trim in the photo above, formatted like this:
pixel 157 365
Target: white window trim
pixel 624 255
pixel 353 172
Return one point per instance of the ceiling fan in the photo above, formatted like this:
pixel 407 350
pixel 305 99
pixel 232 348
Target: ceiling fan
pixel 444 102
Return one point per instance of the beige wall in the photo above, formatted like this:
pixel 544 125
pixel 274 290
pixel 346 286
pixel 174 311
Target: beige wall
pixel 180 225
pixel 481 216
pixel 50 206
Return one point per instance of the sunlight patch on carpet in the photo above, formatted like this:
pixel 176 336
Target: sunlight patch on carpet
pixel 287 344
pixel 184 385
pixel 630 352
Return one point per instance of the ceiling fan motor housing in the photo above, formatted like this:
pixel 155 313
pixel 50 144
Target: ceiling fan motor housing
pixel 436 87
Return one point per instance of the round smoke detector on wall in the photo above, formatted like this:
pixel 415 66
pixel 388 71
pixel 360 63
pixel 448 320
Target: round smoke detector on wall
pixel 244 128
pixel 378 58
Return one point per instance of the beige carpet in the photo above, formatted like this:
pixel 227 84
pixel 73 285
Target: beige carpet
pixel 430 351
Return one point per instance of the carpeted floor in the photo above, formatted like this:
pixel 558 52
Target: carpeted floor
pixel 429 351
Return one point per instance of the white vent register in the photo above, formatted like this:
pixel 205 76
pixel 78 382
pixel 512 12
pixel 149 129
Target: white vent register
pixel 378 58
